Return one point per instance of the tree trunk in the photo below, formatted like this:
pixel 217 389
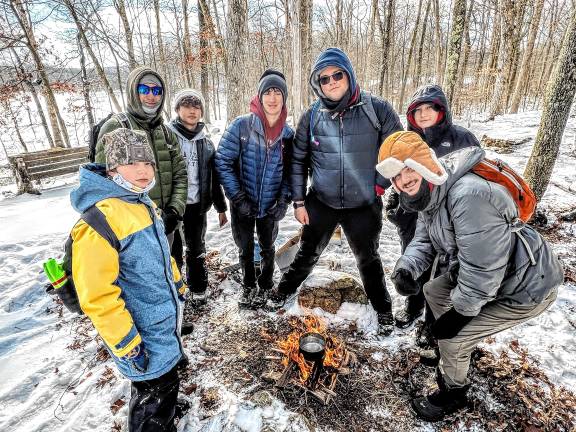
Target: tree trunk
pixel 527 60
pixel 305 49
pixel 438 43
pixel 420 55
pixel 93 57
pixel 296 49
pixel 464 63
pixel 454 48
pixel 406 71
pixel 385 30
pixel 17 7
pixel 162 52
pixel 187 48
pixel 204 59
pixel 121 9
pixel 85 85
pixel 16 126
pixel 559 98
pixel 237 36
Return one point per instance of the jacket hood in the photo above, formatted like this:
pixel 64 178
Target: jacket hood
pixel 134 104
pixel 456 165
pixel 431 94
pixel 332 57
pixel 95 186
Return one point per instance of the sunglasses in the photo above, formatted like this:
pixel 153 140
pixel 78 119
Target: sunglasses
pixel 337 76
pixel 143 89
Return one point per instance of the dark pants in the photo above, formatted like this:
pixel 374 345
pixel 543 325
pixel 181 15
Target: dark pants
pixel 194 235
pixel 405 223
pixel 177 248
pixel 243 233
pixel 152 404
pixel 362 228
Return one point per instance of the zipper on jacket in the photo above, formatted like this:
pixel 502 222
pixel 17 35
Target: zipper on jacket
pixel 151 133
pixel 262 179
pixel 341 162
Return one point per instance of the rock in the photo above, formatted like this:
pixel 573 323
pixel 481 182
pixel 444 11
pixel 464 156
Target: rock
pixel 329 289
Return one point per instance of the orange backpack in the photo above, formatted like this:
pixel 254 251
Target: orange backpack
pixel 498 171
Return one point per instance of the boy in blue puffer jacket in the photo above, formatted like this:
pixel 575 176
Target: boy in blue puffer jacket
pixel 132 291
pixel 251 165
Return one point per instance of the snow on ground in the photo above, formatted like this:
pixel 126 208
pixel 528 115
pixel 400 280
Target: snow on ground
pixel 52 370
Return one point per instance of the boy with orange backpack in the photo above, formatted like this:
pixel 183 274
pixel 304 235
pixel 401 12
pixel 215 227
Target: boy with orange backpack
pixel 499 272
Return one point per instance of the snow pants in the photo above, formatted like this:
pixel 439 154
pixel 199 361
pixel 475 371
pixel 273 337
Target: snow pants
pixel 243 233
pixel 362 227
pixel 153 403
pixel 194 234
pixel 493 318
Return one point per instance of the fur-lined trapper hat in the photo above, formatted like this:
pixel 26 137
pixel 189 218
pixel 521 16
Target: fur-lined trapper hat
pixel 407 149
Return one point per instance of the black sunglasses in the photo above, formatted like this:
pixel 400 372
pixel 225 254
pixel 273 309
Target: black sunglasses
pixel 336 75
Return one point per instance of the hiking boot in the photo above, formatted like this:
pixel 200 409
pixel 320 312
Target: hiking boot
pixel 406 317
pixel 246 298
pixel 424 338
pixel 276 299
pixel 430 357
pixel 259 298
pixel 442 402
pixel 199 298
pixel 181 409
pixel 385 323
pixel 187 328
pixel 183 363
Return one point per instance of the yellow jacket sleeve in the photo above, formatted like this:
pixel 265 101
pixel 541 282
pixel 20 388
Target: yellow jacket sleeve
pixel 180 285
pixel 95 266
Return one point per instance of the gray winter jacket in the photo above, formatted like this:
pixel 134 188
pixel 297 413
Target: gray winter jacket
pixel 473 223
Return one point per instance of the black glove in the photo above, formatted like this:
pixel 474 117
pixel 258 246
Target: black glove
pixel 404 282
pixel 449 324
pixel 393 201
pixel 170 219
pixel 278 211
pixel 243 205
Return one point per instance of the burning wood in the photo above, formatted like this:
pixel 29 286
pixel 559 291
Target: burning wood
pixel 312 359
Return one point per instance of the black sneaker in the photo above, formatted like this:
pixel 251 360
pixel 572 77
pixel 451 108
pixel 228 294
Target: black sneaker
pixel 385 323
pixel 199 298
pixel 276 299
pixel 442 402
pixel 406 317
pixel 259 298
pixel 424 338
pixel 246 299
pixel 181 409
pixel 187 328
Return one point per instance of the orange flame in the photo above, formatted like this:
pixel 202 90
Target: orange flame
pixel 335 350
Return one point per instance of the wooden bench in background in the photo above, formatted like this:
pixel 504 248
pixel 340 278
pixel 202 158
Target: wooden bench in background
pixel 39 165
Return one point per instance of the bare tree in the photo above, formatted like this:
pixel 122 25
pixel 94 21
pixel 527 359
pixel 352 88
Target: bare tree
pixel 204 59
pixel 121 9
pixel 236 35
pixel 454 48
pixel 559 99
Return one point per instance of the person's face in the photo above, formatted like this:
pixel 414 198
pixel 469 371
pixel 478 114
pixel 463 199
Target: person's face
pixel 189 115
pixel 146 94
pixel 272 102
pixel 338 84
pixel 425 116
pixel 408 181
pixel 139 173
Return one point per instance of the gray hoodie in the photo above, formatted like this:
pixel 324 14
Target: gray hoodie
pixel 473 223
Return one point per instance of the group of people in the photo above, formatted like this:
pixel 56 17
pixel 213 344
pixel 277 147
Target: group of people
pixel 465 258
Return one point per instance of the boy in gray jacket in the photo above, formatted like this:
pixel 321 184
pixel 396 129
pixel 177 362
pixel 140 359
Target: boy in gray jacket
pixel 499 272
pixel 204 190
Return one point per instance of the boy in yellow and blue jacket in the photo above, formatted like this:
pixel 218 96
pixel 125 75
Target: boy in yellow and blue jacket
pixel 133 294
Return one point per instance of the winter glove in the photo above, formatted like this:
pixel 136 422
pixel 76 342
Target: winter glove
pixel 138 357
pixel 278 211
pixel 404 282
pixel 393 201
pixel 449 324
pixel 243 205
pixel 170 219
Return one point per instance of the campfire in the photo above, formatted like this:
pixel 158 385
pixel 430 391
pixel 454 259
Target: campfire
pixel 312 359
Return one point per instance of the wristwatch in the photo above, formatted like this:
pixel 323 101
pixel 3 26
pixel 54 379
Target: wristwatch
pixel 298 204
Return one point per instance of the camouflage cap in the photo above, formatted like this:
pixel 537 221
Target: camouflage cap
pixel 126 146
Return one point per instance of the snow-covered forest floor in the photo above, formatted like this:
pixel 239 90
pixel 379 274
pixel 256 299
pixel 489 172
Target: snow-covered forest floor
pixel 56 376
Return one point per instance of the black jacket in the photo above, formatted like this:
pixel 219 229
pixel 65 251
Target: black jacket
pixel 210 189
pixel 445 137
pixel 341 153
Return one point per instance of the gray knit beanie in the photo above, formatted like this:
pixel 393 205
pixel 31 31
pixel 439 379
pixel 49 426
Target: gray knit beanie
pixel 188 97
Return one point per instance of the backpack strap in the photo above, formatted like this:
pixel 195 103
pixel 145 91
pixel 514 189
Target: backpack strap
pixel 123 119
pixel 96 219
pixel 368 108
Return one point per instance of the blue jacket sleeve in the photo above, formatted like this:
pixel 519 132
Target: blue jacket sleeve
pixel 300 163
pixel 227 159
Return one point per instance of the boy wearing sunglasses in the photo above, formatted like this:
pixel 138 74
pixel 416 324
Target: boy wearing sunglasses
pixel 146 98
pixel 337 143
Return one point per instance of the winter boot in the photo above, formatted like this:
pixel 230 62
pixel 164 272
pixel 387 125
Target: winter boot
pixel 406 317
pixel 430 357
pixel 246 299
pixel 199 299
pixel 259 298
pixel 424 337
pixel 276 299
pixel 183 363
pixel 441 403
pixel 181 409
pixel 385 323
pixel 187 328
